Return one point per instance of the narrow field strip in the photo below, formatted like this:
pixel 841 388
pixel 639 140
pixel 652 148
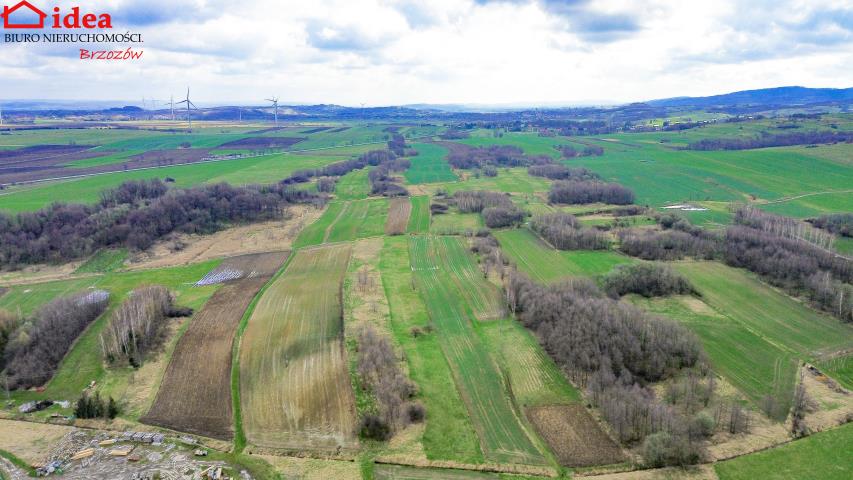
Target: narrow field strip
pixel 420 216
pixel 497 421
pixel 399 210
pixel 295 389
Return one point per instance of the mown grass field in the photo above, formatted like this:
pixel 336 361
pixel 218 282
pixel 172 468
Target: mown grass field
pixel 449 433
pixel 419 218
pixel 295 389
pixel 545 264
pixel 822 456
pixel 753 334
pixel 456 294
pixel 429 165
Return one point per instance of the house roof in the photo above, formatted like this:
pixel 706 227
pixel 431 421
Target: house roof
pixel 22 3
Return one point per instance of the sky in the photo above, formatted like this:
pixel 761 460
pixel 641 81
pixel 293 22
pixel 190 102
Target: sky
pixel 396 52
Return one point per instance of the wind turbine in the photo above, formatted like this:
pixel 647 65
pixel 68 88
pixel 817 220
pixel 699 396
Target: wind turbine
pixel 189 104
pixel 274 101
pixel 1 114
pixel 172 106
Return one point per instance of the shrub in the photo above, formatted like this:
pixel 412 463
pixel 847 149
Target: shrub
pixel 415 412
pixel 374 428
pixel 497 217
pixel 37 347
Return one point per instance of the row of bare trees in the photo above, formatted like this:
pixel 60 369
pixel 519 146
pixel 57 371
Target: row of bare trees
pixel 769 140
pixel 588 191
pixel 555 171
pixel 37 345
pixel 565 232
pixel 137 325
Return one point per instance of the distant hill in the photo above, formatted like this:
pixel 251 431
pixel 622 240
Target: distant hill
pixel 779 96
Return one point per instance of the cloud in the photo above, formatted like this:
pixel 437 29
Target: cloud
pixel 132 13
pixel 341 38
pixel 449 51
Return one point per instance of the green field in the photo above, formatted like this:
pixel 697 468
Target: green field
pixel 449 434
pixel 660 174
pixel 454 223
pixel 839 368
pixel 822 456
pixel 106 260
pixel 343 221
pixel 265 169
pixel 419 218
pixel 429 165
pixel 509 180
pixel 353 186
pixel 754 335
pixel 531 143
pixel 535 378
pixel 545 264
pixel 456 295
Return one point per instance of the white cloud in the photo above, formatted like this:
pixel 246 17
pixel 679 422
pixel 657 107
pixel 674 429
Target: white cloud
pixel 444 51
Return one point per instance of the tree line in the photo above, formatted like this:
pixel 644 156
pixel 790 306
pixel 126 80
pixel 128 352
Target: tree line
pixel 36 346
pixel 379 374
pixel 785 252
pixel 574 192
pixel 135 215
pixel 837 223
pixel 770 140
pixel 564 232
pixel 555 171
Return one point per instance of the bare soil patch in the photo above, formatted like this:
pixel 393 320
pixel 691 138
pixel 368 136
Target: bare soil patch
pixel 195 395
pixel 398 216
pixel 574 436
pixel 262 142
pixel 253 238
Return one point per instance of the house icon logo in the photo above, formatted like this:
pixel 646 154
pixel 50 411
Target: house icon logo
pixel 26 9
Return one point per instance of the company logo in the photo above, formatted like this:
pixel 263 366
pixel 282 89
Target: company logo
pixel 20 16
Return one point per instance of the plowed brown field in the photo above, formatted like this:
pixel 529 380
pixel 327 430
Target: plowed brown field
pixel 195 395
